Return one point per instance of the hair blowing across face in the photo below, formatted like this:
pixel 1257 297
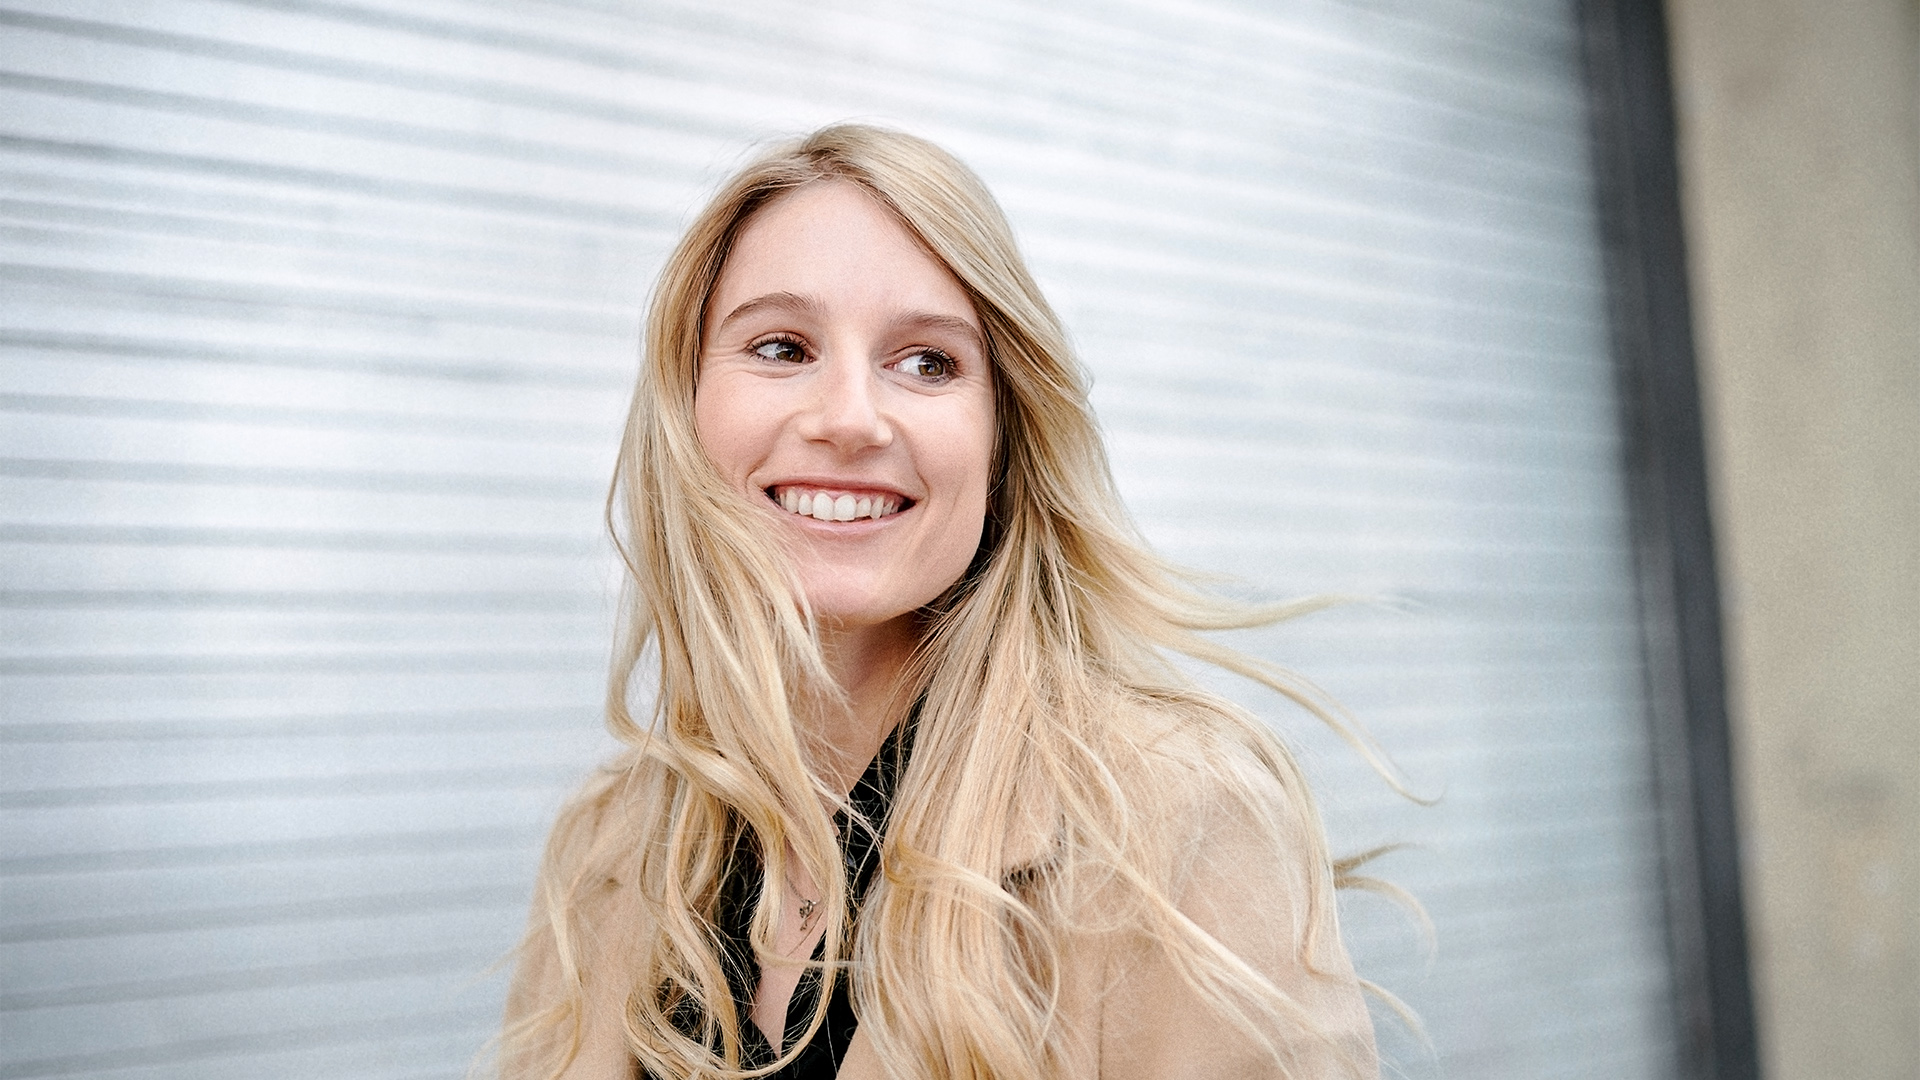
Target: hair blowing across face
pixel 1054 738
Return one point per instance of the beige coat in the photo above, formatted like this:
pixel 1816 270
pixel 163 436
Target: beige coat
pixel 1127 1013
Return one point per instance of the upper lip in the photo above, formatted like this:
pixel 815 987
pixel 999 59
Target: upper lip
pixel 844 485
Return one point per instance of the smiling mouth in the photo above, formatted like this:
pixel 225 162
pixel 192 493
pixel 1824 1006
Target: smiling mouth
pixel 824 504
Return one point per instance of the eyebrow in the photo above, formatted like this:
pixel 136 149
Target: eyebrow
pixel 807 305
pixel 952 323
pixel 779 301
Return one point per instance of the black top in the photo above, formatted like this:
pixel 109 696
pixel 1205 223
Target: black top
pixel 872 797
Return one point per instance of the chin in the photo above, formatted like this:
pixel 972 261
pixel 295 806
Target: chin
pixel 856 617
pixel 841 608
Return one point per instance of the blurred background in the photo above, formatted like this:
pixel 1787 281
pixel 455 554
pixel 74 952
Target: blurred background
pixel 317 321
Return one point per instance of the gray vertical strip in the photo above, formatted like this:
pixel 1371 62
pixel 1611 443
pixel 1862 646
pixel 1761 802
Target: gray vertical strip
pixel 1626 48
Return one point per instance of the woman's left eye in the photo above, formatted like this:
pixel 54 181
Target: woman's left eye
pixel 931 365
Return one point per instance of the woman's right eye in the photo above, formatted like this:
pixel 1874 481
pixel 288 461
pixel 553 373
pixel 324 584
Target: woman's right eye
pixel 781 351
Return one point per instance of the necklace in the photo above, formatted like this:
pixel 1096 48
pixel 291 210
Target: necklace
pixel 807 906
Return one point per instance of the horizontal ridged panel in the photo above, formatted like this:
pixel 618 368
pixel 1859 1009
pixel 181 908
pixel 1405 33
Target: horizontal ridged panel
pixel 318 320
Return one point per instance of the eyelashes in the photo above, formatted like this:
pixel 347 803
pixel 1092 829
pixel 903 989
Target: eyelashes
pixel 929 364
pixel 781 349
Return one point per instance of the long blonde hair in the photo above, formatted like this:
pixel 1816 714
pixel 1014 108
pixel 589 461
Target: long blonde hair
pixel 1039 676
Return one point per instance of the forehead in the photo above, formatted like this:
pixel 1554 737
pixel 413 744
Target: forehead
pixel 836 245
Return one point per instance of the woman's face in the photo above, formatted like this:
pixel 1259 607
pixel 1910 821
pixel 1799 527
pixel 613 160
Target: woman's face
pixel 844 389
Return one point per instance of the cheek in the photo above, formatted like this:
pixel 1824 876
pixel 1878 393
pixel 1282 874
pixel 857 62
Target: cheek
pixel 983 441
pixel 965 460
pixel 725 422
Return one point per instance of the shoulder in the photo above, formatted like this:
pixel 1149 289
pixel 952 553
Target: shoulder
pixel 1248 927
pixel 1207 825
pixel 585 834
pixel 586 892
pixel 569 981
pixel 1214 772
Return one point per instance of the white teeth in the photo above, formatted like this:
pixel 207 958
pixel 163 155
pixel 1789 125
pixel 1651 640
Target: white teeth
pixel 824 507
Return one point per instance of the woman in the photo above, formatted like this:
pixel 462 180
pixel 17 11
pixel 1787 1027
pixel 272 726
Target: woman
pixel 919 795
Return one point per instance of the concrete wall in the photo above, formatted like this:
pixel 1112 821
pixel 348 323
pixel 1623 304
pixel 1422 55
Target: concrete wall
pixel 1800 162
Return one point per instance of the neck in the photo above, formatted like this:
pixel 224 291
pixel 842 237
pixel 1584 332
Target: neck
pixel 870 665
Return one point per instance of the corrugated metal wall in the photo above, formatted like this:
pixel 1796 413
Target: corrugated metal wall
pixel 317 322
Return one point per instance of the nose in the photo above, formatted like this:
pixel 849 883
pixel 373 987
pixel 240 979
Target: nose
pixel 845 409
